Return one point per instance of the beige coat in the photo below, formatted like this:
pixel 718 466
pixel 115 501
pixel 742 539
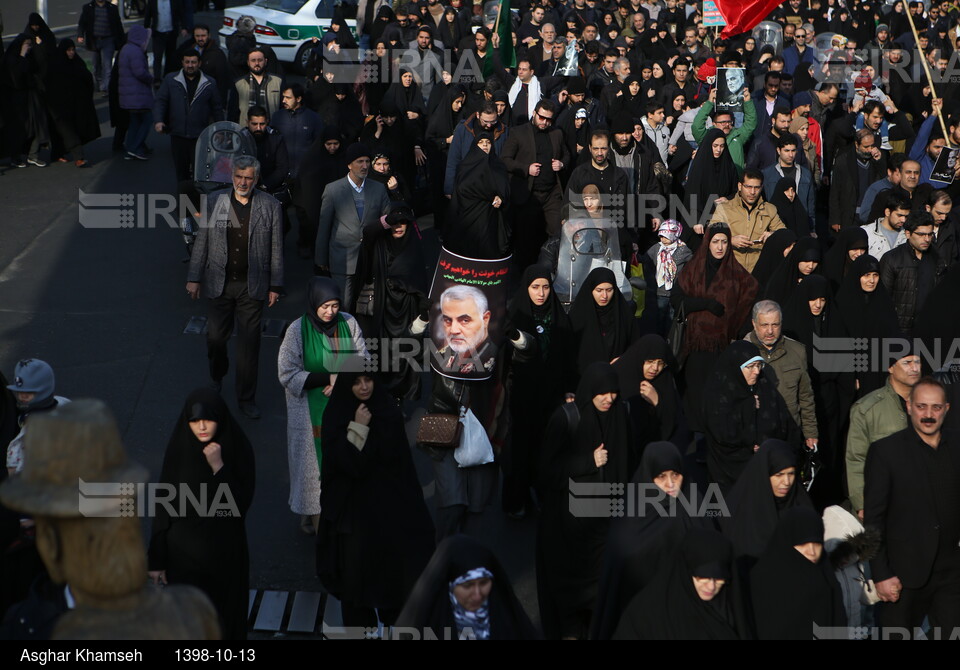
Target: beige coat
pixel 753 224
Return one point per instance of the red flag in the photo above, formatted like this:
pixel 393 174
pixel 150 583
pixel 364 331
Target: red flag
pixel 744 15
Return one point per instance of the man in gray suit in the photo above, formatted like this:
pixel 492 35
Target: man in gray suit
pixel 348 205
pixel 237 260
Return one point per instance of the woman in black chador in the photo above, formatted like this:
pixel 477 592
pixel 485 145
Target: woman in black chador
pixel 648 385
pixel 464 593
pixel 392 289
pixel 375 533
pixel 768 487
pixel 867 312
pixel 476 227
pixel 742 408
pixel 540 375
pixel 602 319
pixel 586 442
pixel 793 587
pixel 695 596
pixel 207 548
pixel 641 543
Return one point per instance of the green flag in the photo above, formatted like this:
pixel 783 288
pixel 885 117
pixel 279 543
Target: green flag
pixel 508 57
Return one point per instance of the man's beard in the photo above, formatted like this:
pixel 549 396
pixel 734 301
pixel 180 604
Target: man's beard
pixel 465 348
pixel 863 156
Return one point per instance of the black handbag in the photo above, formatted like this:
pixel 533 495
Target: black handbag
pixel 675 336
pixel 365 301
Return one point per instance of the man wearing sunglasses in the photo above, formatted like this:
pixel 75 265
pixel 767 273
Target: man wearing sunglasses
pixel 534 154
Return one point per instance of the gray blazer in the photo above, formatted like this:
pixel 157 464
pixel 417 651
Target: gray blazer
pixel 340 230
pixel 208 262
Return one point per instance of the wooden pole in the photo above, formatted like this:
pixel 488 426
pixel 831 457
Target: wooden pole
pixel 926 69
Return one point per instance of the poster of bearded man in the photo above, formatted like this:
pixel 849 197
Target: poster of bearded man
pixel 467 314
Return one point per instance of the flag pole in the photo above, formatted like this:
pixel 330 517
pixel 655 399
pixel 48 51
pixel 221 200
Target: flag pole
pixel 926 69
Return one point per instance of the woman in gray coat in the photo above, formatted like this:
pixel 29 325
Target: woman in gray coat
pixel 314 349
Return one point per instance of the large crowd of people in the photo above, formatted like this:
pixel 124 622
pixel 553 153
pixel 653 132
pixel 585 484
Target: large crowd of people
pixel 719 293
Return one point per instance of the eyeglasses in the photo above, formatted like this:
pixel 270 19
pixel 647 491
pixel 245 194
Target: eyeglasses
pixel 548 119
pixel 915 234
pixel 756 365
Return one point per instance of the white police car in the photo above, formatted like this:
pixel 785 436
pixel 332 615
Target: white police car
pixel 287 26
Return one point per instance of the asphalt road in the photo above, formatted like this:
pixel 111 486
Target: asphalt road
pixel 107 308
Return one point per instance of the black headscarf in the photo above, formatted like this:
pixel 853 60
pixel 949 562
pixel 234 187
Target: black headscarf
pixel 791 596
pixel 799 323
pixel 866 315
pixel 319 291
pixel 634 105
pixel 202 550
pixel 603 333
pixel 184 461
pixel 771 256
pixel 397 270
pixel 429 604
pixel 443 120
pixel 475 228
pixel 639 544
pixel 836 262
pixel 670 608
pixel 45 52
pixel 754 509
pixel 540 322
pixel 609 428
pixel 787 275
pixel 792 213
pixel 629 367
pixel 405 99
pixel 710 177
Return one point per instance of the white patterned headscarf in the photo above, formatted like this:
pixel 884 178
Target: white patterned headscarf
pixel 471 625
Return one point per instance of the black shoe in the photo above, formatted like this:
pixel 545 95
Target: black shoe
pixel 250 410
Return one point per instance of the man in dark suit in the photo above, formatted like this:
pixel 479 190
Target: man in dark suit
pixel 858 164
pixel 237 260
pixel 912 496
pixel 165 20
pixel 349 205
pixel 534 154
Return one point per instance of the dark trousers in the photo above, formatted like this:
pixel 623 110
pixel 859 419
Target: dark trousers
pixel 183 149
pixel 235 306
pixel 938 599
pixel 307 238
pixel 533 222
pixel 164 53
pixel 346 284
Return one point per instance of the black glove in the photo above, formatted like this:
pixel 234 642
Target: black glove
pixel 316 380
pixel 400 215
pixel 716 308
pixel 424 315
pixel 513 334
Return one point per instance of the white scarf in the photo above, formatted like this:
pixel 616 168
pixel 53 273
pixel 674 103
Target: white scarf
pixel 533 94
